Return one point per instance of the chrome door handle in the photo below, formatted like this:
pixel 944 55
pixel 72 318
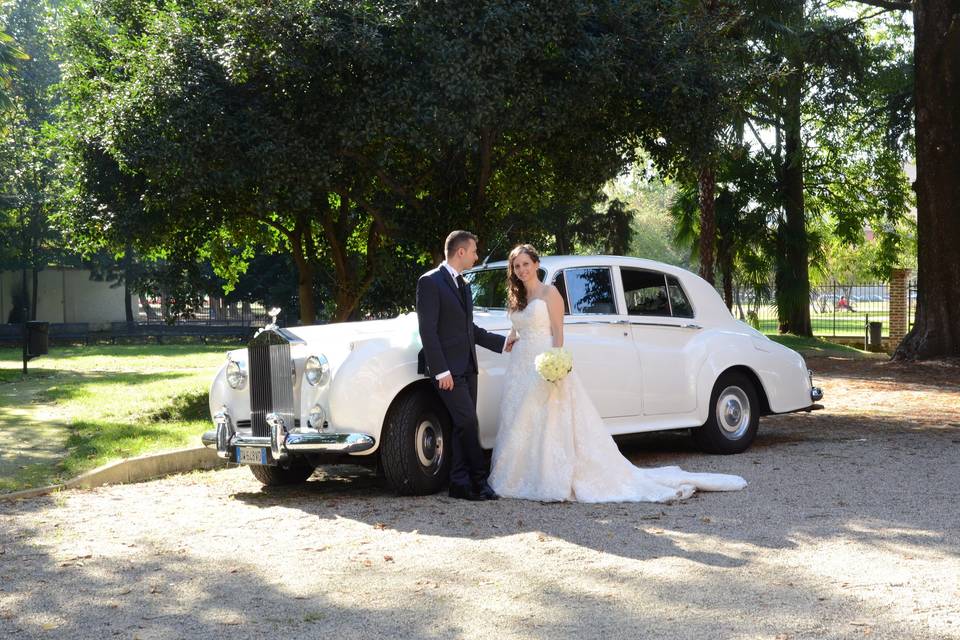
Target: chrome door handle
pixel 692 326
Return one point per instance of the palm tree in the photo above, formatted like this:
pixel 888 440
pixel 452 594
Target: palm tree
pixel 9 54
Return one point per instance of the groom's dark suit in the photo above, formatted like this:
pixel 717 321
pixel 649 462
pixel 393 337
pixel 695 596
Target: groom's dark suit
pixel 449 337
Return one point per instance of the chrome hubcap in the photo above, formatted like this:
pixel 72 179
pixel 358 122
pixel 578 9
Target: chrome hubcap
pixel 733 412
pixel 429 444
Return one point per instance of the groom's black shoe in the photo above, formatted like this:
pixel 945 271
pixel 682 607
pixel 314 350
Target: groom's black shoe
pixel 464 492
pixel 486 491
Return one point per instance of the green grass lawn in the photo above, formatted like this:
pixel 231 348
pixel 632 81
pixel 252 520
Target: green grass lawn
pixel 821 347
pixel 81 407
pixel 840 323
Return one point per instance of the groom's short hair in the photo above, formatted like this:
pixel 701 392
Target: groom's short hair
pixel 457 239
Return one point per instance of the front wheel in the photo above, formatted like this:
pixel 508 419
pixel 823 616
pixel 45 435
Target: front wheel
pixel 734 416
pixel 297 470
pixel 415 451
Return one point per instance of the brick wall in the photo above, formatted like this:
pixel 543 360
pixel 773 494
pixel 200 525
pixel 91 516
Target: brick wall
pixel 899 305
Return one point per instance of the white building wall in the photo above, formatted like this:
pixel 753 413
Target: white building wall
pixel 66 295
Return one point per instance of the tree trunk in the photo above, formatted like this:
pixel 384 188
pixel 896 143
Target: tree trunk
pixel 34 294
pixel 127 265
pixel 936 331
pixel 707 188
pixel 305 274
pixel 792 278
pixel 127 303
pixel 727 271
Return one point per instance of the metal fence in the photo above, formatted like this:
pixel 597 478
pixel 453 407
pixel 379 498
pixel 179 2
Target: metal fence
pixel 836 310
pixel 213 311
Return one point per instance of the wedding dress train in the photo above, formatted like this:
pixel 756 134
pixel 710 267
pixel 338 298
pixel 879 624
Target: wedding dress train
pixel 552 445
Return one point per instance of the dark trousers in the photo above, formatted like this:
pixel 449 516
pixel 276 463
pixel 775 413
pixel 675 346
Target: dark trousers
pixel 469 463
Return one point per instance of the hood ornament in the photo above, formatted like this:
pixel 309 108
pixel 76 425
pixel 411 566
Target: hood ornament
pixel 272 325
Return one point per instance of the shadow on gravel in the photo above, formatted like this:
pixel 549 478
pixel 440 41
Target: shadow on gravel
pixel 943 375
pixel 810 476
pixel 169 593
pixel 161 593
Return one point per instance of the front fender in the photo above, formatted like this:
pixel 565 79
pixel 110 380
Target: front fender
pixel 367 382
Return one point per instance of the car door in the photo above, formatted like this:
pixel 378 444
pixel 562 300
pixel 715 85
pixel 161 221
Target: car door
pixel 599 339
pixel 664 336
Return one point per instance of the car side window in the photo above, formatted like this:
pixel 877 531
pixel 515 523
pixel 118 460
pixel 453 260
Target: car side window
pixel 645 293
pixel 586 290
pixel 679 302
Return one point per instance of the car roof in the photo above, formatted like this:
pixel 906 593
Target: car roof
pixel 706 299
pixel 551 263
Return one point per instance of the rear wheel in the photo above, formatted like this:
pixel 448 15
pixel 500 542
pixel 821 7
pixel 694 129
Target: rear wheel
pixel 297 470
pixel 415 452
pixel 734 416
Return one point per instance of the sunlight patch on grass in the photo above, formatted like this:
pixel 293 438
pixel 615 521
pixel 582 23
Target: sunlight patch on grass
pixel 102 403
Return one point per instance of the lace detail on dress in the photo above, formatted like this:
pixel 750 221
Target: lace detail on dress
pixel 553 445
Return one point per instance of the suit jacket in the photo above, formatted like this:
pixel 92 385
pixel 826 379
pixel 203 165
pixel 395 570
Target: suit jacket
pixel 447 331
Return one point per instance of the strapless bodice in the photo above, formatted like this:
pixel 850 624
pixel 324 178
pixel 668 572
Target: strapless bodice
pixel 532 321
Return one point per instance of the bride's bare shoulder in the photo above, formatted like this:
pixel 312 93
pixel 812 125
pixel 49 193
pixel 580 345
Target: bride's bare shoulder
pixel 553 299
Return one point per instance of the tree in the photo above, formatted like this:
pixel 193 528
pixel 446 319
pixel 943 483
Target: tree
pixel 26 153
pixel 936 29
pixel 347 133
pixel 815 148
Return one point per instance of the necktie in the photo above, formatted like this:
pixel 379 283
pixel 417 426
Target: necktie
pixel 463 289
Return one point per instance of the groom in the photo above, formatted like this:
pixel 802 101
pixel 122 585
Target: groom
pixel 449 357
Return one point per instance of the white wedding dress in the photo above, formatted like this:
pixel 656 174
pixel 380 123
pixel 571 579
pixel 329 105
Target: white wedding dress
pixel 552 445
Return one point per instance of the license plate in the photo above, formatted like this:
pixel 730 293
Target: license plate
pixel 251 455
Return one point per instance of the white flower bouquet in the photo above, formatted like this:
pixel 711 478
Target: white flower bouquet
pixel 554 364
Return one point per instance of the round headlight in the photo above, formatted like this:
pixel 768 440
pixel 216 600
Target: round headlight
pixel 236 378
pixel 317 370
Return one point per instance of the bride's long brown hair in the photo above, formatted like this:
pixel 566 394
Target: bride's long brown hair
pixel 516 292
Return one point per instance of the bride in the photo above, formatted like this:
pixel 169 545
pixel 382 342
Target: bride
pixel 552 444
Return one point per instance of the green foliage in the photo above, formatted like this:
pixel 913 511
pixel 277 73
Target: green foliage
pixel 347 134
pixel 10 54
pixel 28 239
pixel 825 99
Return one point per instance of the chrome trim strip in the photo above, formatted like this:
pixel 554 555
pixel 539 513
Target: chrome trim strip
pixel 689 325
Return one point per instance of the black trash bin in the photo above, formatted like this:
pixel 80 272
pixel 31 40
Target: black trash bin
pixel 38 338
pixel 876 337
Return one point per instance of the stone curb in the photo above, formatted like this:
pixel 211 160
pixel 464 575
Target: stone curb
pixel 136 469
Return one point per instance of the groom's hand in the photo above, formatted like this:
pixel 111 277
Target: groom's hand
pixel 446 382
pixel 508 347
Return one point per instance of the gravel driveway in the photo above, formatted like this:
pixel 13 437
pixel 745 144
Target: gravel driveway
pixel 850 528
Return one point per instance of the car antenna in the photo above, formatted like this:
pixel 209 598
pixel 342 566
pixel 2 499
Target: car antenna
pixel 483 265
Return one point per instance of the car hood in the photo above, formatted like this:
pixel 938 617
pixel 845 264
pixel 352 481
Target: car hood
pixel 401 331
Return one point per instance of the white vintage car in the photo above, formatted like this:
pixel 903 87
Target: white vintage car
pixel 654 345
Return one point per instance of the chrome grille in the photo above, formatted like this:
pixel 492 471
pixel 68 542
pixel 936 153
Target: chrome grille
pixel 271 381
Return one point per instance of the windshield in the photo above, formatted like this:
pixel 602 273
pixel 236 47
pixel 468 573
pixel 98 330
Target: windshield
pixel 489 286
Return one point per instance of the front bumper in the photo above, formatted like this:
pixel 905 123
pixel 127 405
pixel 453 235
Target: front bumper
pixel 281 442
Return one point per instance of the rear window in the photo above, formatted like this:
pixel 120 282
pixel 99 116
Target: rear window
pixel 586 290
pixel 651 293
